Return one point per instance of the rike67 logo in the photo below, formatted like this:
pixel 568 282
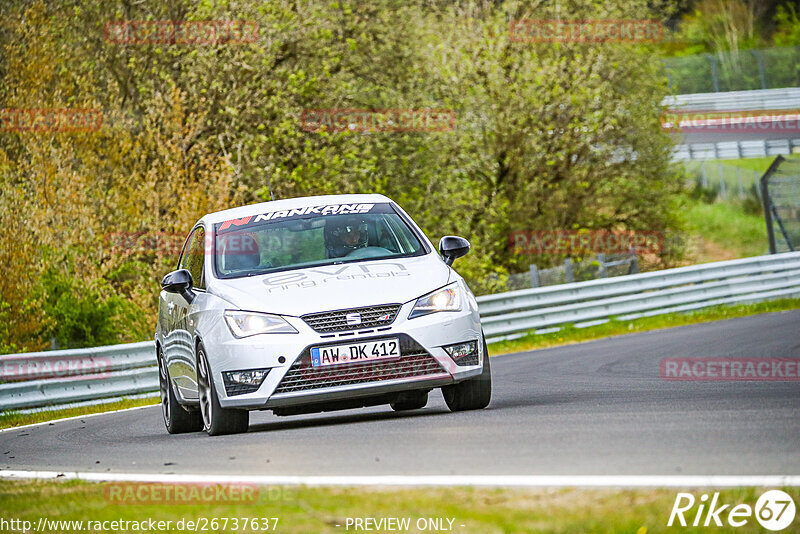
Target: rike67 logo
pixel 774 510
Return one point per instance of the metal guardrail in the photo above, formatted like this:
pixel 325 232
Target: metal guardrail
pixel 756 100
pixel 756 148
pixel 95 374
pixel 59 377
pixel 787 142
pixel 506 315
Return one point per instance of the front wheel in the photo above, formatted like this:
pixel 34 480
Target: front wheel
pixel 216 419
pixel 473 393
pixel 177 419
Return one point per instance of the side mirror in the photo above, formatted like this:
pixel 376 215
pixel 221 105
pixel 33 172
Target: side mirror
pixel 452 247
pixel 179 282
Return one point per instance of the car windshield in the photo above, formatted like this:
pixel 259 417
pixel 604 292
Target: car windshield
pixel 311 236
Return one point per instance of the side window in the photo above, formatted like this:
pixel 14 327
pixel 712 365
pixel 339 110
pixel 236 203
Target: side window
pixel 193 257
pixel 403 238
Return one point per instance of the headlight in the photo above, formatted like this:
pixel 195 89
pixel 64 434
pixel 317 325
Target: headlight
pixel 442 300
pixel 244 324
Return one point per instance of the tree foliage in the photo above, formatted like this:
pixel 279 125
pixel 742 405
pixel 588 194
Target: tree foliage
pixel 548 136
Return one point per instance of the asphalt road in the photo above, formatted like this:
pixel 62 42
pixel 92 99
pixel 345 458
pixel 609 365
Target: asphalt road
pixel 598 408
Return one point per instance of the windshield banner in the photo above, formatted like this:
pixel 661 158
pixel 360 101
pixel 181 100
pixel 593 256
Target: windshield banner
pixel 324 209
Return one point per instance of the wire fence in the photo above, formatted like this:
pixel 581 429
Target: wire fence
pixel 603 266
pixel 729 181
pixel 742 70
pixel 780 192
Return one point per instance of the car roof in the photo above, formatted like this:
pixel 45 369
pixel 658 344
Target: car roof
pixel 291 203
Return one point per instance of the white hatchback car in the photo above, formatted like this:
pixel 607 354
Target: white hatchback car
pixel 315 304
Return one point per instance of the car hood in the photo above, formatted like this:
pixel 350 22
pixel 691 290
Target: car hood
pixel 335 287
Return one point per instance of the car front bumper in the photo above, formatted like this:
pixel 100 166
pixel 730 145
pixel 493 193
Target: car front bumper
pixel 424 364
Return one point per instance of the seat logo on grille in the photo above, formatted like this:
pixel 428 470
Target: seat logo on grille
pixel 353 318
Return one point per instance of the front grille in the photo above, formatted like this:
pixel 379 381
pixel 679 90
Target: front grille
pixel 414 361
pixel 235 388
pixel 239 389
pixel 470 359
pixel 336 321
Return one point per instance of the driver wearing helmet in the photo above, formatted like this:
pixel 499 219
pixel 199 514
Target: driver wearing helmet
pixel 344 234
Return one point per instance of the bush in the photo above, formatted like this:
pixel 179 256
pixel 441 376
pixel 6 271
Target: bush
pixel 707 194
pixel 81 314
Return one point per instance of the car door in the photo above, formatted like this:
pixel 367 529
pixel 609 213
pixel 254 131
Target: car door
pixel 182 358
pixel 166 315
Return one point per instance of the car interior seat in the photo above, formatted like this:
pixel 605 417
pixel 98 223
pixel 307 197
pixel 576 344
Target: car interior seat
pixel 240 252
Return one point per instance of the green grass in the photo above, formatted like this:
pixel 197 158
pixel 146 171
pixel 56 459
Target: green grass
pixel 303 509
pixel 12 418
pixel 750 164
pixel 726 229
pixel 569 334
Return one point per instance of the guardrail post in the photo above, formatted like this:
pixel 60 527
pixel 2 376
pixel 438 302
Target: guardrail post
pixel 755 181
pixel 534 276
pixel 762 73
pixel 714 75
pixel 741 184
pixel 705 176
pixel 634 268
pixel 568 270
pixel 601 268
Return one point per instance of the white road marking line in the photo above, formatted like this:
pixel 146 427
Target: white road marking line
pixel 9 429
pixel 533 481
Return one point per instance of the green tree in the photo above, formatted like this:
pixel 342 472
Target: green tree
pixel 548 136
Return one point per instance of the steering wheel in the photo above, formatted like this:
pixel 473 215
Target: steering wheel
pixel 369 252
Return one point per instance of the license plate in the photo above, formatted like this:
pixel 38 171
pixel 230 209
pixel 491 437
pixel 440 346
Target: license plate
pixel 385 349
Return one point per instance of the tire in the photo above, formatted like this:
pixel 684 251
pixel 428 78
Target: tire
pixel 216 419
pixel 471 394
pixel 410 400
pixel 177 419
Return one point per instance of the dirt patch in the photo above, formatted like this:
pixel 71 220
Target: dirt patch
pixel 700 250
